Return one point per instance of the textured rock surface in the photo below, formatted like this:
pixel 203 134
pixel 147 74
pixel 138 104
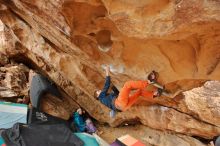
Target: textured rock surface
pixel 70 41
pixel 159 17
pixel 149 137
pixel 203 102
pixel 59 108
pixel 3 60
pixel 13 81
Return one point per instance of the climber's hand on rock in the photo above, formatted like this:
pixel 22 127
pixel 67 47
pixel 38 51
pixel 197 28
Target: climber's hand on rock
pixel 107 70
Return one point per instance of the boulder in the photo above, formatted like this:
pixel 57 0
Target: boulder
pixel 71 42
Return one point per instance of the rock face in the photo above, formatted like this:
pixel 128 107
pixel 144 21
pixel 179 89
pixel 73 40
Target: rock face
pixel 13 81
pixel 203 102
pixel 71 41
pixel 150 137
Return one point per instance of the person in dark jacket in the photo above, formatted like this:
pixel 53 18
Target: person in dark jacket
pixel 82 123
pixel 122 100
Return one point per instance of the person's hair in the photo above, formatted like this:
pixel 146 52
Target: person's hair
pixel 95 94
pixel 150 78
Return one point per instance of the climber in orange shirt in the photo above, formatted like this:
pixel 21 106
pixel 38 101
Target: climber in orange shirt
pixel 123 100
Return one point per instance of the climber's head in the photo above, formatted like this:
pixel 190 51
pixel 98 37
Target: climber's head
pixel 97 93
pixel 152 77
